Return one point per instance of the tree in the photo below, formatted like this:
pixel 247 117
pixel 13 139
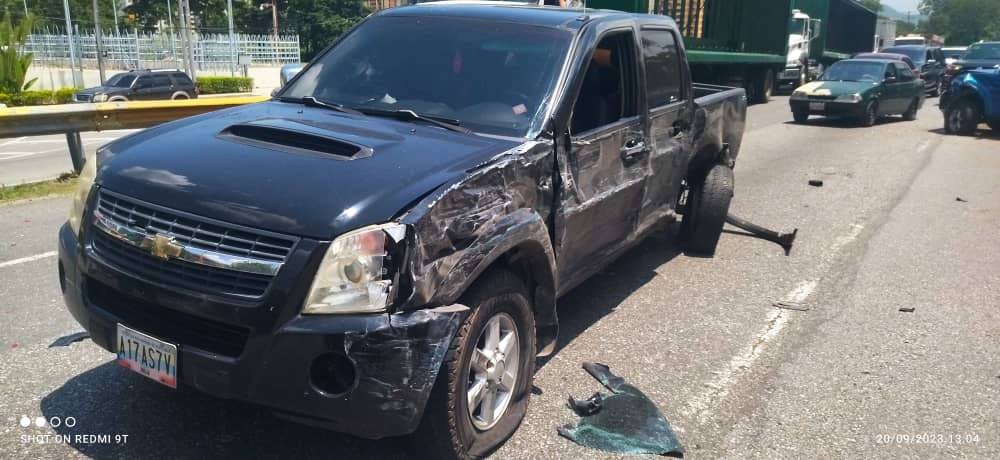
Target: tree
pixel 874 5
pixel 14 62
pixel 320 22
pixel 962 21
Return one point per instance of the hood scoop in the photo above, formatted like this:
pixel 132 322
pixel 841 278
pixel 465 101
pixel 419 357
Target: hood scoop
pixel 289 136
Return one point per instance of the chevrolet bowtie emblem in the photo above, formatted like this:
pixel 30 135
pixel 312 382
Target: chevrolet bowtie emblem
pixel 161 246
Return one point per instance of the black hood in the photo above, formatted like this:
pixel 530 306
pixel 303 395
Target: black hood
pixel 977 63
pixel 289 168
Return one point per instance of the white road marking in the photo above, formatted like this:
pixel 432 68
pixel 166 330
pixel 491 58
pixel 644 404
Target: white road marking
pixel 718 388
pixel 12 141
pixel 33 258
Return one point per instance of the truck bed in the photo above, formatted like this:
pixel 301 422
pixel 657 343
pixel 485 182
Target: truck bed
pixel 725 110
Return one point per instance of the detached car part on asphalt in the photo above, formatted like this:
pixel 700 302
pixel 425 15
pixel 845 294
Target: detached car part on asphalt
pixel 378 250
pixel 863 89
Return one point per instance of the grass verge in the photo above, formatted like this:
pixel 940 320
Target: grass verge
pixel 64 185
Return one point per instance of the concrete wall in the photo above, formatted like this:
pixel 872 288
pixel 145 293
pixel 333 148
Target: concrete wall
pixel 265 78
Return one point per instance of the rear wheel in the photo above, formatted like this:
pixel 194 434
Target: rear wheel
pixel 706 209
pixel 763 87
pixel 481 393
pixel 870 115
pixel 962 117
pixel 911 113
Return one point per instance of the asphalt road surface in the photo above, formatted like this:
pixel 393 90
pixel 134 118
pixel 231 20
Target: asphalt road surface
pixel 906 218
pixel 36 158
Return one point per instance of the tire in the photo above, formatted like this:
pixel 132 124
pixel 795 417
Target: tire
pixel 937 88
pixel 449 430
pixel 764 87
pixel 800 116
pixel 911 113
pixel 962 117
pixel 707 206
pixel 870 115
pixel 180 95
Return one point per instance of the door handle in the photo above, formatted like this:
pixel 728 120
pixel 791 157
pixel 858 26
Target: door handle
pixel 632 150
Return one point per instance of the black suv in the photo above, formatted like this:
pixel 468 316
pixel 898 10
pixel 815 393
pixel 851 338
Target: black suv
pixel 138 85
pixel 929 62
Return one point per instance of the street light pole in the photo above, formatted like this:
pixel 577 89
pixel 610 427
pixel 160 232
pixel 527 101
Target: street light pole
pixel 72 52
pixel 97 42
pixel 232 42
pixel 173 47
pixel 274 18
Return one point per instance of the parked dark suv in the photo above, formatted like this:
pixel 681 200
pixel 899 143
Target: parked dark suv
pixel 139 85
pixel 929 62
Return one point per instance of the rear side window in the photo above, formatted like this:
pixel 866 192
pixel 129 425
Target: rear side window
pixel 890 71
pixel 161 80
pixel 663 67
pixel 181 79
pixel 143 82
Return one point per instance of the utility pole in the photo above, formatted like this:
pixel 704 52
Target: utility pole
pixel 72 51
pixel 97 42
pixel 189 41
pixel 274 18
pixel 232 42
pixel 114 4
pixel 170 22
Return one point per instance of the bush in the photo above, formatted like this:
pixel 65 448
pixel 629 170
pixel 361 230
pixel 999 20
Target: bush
pixel 219 85
pixel 43 97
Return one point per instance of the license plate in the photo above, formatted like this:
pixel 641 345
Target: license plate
pixel 147 355
pixel 817 105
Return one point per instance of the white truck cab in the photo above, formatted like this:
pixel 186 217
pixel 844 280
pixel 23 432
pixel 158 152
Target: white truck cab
pixel 802 30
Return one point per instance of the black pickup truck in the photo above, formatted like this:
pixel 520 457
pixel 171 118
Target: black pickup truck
pixel 378 249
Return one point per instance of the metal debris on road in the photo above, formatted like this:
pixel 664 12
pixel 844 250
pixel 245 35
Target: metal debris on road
pixel 963 200
pixel 625 421
pixel 66 340
pixel 815 182
pixel 784 239
pixel 789 305
pixel 907 309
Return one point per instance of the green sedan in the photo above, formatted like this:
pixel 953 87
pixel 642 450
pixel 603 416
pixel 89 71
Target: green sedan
pixel 864 89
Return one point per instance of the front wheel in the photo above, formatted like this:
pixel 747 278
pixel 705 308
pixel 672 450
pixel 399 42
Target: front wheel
pixel 962 118
pixel 481 393
pixel 870 115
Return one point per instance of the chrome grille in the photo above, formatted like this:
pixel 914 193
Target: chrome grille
pixel 192 232
pixel 82 98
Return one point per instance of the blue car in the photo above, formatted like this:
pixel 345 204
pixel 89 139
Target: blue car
pixel 972 98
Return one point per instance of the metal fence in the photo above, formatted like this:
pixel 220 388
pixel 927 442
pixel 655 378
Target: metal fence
pixel 139 50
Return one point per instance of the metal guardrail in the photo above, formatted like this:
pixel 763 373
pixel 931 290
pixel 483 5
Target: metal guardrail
pixel 73 119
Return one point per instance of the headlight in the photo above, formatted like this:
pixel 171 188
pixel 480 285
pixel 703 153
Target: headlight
pixel 799 95
pixel 953 68
pixel 100 98
pixel 84 183
pixel 356 274
pixel 849 98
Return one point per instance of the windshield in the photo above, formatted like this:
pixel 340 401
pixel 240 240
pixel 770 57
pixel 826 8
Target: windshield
pixel 916 54
pixel 854 71
pixel 491 77
pixel 797 26
pixel 122 80
pixel 983 51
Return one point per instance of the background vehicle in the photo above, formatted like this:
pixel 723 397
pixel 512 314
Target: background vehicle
pixel 885 33
pixel 138 85
pixel 729 42
pixel 929 62
pixel 911 39
pixel 833 29
pixel 973 97
pixel 982 55
pixel 953 53
pixel 428 198
pixel 890 56
pixel 865 89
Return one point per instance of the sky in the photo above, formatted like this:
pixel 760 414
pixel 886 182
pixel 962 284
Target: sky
pixel 902 5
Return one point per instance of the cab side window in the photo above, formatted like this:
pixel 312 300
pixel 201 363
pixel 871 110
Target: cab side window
pixel 890 71
pixel 663 67
pixel 608 92
pixel 161 81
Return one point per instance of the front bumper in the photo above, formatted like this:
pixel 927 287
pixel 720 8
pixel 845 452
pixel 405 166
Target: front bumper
pixel 388 363
pixel 829 108
pixel 789 74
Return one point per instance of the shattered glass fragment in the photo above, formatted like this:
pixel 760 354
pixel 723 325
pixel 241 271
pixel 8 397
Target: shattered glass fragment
pixel 624 421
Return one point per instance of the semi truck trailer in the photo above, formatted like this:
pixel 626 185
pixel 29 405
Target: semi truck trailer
pixel 728 42
pixel 822 32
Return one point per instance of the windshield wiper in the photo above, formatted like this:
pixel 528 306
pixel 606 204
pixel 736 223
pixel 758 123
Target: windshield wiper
pixel 409 115
pixel 312 101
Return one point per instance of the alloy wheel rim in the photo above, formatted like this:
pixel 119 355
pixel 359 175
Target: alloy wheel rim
pixel 956 119
pixel 493 371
